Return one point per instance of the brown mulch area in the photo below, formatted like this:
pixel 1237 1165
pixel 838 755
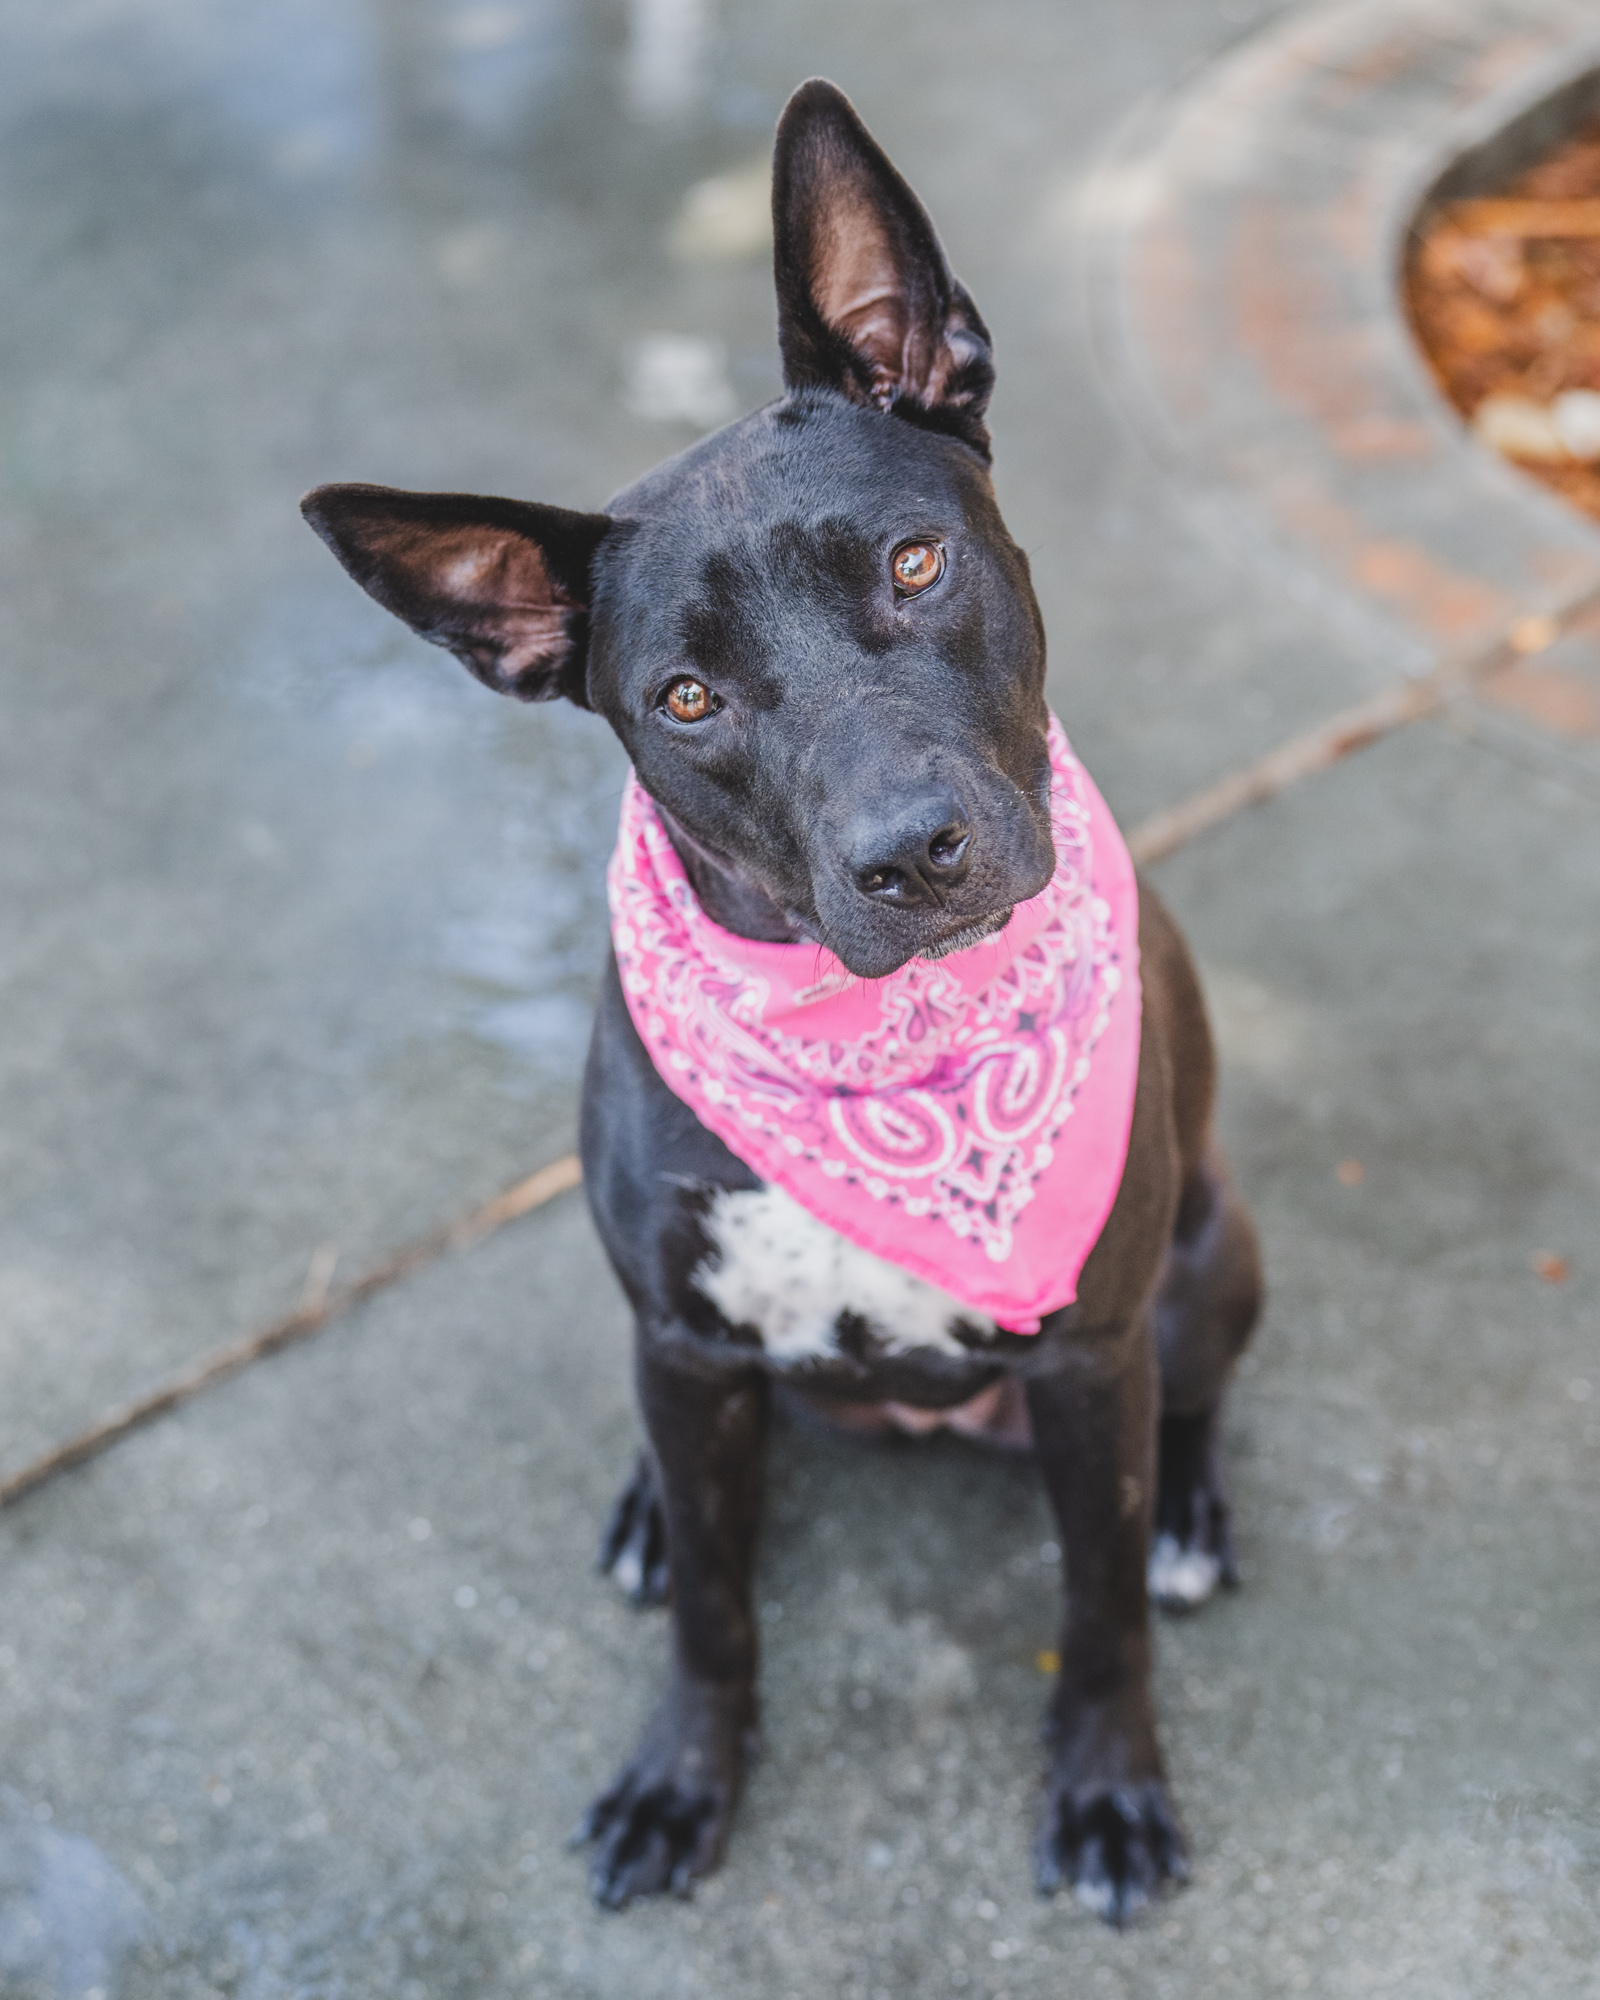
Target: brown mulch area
pixel 1501 314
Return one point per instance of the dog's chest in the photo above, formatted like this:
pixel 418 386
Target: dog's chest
pixel 811 1295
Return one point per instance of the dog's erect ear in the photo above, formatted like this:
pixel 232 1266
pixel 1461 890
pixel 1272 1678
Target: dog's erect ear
pixel 866 302
pixel 503 584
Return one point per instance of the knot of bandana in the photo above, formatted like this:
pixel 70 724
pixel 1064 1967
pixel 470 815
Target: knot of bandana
pixel 967 1117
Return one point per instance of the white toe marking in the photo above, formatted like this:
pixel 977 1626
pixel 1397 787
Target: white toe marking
pixel 775 1267
pixel 1181 1576
pixel 1096 1896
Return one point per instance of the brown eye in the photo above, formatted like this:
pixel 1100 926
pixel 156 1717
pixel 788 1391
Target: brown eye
pixel 915 566
pixel 689 701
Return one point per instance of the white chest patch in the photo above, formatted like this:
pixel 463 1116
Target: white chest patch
pixel 775 1267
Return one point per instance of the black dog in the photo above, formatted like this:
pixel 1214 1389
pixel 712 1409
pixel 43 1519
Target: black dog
pixel 841 761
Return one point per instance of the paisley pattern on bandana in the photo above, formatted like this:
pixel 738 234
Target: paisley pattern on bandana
pixel 967 1117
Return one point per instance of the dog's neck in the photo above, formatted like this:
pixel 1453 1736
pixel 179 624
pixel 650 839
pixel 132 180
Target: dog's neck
pixel 727 897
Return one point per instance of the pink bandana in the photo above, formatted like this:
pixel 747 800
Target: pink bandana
pixel 967 1117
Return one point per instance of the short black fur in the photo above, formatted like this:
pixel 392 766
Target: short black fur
pixel 853 732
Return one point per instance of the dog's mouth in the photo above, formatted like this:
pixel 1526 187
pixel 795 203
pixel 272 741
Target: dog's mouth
pixel 969 934
pixel 944 947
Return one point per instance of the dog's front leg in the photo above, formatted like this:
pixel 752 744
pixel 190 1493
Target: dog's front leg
pixel 1109 1828
pixel 664 1821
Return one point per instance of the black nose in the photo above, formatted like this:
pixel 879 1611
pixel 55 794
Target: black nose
pixel 920 858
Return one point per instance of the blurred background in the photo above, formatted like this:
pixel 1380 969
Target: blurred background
pixel 301 1690
pixel 330 917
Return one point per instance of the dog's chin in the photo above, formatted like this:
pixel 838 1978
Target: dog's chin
pixel 882 964
pixel 969 934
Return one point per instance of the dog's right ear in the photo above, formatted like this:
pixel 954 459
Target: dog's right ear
pixel 502 584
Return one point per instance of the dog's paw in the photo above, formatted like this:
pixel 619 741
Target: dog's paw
pixel 1191 1548
pixel 633 1548
pixel 663 1823
pixel 1191 1551
pixel 652 1835
pixel 1115 1846
pixel 1183 1574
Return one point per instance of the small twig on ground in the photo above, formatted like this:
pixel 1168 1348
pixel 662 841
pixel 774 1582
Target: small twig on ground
pixel 319 1305
pixel 319 1275
pixel 1351 729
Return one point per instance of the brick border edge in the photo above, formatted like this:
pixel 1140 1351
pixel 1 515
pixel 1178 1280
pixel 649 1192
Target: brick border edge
pixel 1241 247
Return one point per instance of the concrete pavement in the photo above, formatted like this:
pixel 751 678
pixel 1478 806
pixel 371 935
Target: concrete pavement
pixel 301 1690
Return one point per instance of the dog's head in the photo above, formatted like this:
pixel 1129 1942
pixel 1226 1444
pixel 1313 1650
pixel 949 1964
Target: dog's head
pixel 811 630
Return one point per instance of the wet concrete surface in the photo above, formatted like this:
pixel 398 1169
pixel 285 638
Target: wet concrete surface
pixel 301 1691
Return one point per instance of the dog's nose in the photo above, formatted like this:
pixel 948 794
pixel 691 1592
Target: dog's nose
pixel 920 859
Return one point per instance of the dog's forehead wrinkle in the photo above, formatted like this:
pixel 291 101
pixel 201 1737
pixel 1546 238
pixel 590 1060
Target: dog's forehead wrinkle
pixel 772 599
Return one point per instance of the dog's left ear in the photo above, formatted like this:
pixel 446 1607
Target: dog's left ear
pixel 867 303
pixel 502 584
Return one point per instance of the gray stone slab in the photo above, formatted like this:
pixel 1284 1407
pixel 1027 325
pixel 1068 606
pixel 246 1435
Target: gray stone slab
pixel 336 1752
pixel 300 929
